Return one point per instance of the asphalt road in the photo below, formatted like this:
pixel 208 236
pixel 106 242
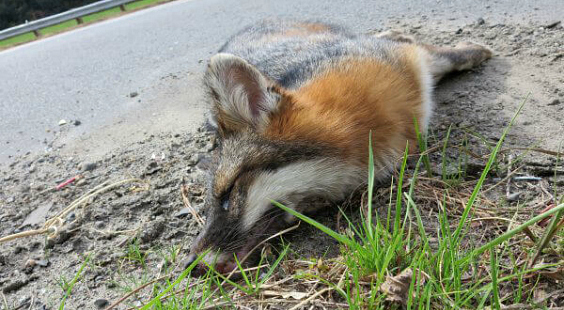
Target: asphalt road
pixel 88 74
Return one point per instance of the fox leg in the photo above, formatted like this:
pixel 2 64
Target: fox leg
pixel 397 36
pixel 444 60
pixel 464 56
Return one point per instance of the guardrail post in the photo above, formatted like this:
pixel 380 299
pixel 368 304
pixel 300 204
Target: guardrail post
pixel 122 8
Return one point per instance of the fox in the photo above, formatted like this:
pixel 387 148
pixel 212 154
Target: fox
pixel 294 104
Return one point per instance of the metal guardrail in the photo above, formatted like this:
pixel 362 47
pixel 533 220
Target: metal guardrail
pixel 76 13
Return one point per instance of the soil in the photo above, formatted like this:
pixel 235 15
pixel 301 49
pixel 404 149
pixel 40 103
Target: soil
pixel 478 104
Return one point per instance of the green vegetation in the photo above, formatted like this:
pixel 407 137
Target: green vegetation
pixel 71 24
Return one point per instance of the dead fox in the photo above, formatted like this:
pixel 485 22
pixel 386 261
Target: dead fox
pixel 294 104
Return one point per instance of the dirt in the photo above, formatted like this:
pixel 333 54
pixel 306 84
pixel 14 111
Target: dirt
pixel 151 214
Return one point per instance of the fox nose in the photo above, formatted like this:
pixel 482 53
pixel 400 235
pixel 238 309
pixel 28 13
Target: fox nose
pixel 198 270
pixel 189 260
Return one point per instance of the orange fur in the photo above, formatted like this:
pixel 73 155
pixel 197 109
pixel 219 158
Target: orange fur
pixel 358 96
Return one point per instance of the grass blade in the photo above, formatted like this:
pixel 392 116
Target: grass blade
pixel 489 164
pixel 513 232
pixel 339 237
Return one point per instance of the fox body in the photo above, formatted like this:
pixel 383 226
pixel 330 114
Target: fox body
pixel 294 104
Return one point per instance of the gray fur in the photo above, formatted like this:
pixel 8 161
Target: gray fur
pixel 292 61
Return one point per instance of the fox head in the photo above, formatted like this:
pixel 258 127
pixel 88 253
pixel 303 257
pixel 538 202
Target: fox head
pixel 249 169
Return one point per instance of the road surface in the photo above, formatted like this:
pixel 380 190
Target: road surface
pixel 139 74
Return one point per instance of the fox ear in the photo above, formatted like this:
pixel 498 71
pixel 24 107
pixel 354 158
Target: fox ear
pixel 242 96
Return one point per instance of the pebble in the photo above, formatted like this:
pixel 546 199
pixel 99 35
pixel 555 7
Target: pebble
pixel 152 231
pixel 182 213
pixel 101 303
pixel 71 217
pixel 513 196
pixel 24 301
pixel 87 166
pixel 77 123
pixel 133 94
pixel 62 122
pixel 480 21
pixel 42 263
pixel 552 24
pixel 554 102
pixel 30 263
pixel 24 188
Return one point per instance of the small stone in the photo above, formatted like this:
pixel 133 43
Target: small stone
pixel 24 188
pixel 182 213
pixel 24 301
pixel 87 166
pixel 459 31
pixel 71 217
pixel 77 123
pixel 152 231
pixel 491 36
pixel 101 303
pixel 513 196
pixel 30 263
pixel 554 102
pixel 42 263
pixel 133 94
pixel 552 24
pixel 62 122
pixel 480 21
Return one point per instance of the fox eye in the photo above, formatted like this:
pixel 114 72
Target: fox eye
pixel 225 205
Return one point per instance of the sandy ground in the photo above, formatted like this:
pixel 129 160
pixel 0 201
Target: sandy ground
pixel 529 61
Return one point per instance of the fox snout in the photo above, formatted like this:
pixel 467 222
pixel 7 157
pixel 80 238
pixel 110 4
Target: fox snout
pixel 226 242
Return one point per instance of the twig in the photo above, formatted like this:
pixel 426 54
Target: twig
pixel 538 150
pixel 4 300
pixel 507 177
pixel 31 303
pixel 526 178
pixel 188 205
pixel 538 301
pixel 310 298
pixel 52 226
pixel 508 185
pixel 266 240
pixel 126 296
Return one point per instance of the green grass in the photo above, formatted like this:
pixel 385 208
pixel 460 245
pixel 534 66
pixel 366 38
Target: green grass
pixel 68 25
pixel 26 37
pixel 101 15
pixel 67 286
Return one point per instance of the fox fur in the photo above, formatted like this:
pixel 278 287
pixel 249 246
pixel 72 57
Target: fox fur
pixel 295 103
